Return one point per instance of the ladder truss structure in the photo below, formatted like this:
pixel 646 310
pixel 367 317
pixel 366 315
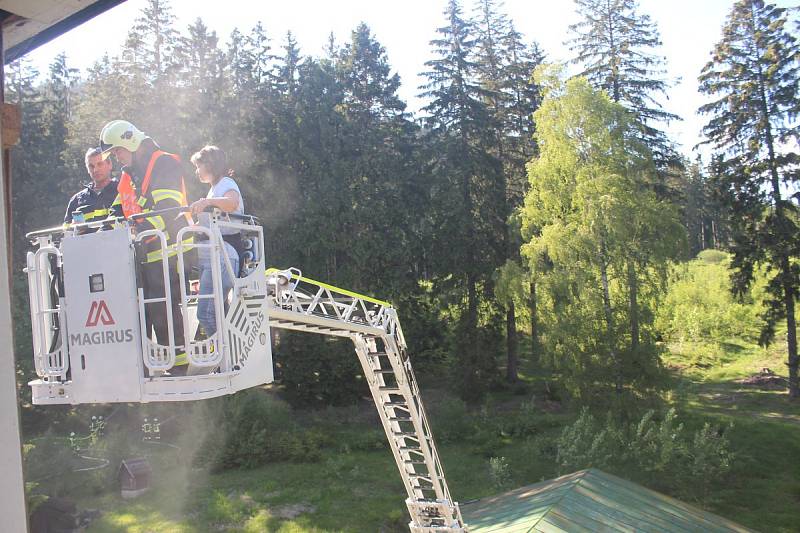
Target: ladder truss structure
pixel 303 304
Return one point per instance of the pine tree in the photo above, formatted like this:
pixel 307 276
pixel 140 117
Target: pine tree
pixel 152 40
pixel 466 246
pixel 615 44
pixel 378 144
pixel 753 78
pixel 200 75
pixel 288 66
pixel 505 66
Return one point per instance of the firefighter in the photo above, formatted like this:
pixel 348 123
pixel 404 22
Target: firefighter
pixel 94 201
pixel 152 180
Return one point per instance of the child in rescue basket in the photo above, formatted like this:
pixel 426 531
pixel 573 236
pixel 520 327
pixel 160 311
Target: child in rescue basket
pixel 212 168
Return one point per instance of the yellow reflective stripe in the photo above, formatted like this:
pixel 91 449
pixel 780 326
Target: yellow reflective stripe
pixel 345 292
pixel 158 222
pixel 141 201
pixel 155 255
pixel 167 194
pixel 117 200
pixel 181 359
pixel 96 214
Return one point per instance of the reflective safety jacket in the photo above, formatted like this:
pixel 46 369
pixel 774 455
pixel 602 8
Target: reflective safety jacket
pixel 95 205
pixel 157 184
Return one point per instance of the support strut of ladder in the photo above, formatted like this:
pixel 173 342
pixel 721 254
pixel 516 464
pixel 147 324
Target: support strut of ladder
pixel 394 390
pixel 303 304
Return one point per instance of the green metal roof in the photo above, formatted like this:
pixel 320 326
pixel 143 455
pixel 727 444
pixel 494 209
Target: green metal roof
pixel 589 500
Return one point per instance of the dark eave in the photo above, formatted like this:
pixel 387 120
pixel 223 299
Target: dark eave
pixel 44 33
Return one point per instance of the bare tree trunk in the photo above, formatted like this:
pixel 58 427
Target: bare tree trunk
pixel 714 234
pixel 534 322
pixel 702 234
pixel 791 335
pixel 512 345
pixel 633 288
pixel 609 319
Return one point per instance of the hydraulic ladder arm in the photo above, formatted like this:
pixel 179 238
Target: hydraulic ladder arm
pixel 302 304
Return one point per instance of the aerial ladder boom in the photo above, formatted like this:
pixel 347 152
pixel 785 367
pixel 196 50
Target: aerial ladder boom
pixel 91 344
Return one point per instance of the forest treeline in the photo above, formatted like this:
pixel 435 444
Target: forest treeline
pixel 517 204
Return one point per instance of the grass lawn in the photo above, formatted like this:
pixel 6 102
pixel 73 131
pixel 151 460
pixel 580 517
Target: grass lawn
pixel 360 490
pixel 763 490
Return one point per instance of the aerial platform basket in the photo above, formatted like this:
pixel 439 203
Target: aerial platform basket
pixel 92 343
pixel 89 317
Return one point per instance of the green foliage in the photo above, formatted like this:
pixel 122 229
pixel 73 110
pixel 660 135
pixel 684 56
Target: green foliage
pixel 587 443
pixel 450 418
pixel 256 428
pixel 499 472
pixel 711 458
pixel 753 80
pixel 692 462
pixel 318 371
pixel 713 256
pixel 699 306
pixel 599 240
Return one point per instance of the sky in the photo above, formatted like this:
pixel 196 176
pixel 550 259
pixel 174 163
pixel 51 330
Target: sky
pixel 688 28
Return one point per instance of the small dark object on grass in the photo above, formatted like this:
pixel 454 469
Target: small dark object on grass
pixel 765 379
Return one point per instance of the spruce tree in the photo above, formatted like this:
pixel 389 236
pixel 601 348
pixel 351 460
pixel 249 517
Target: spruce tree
pixel 504 70
pixel 614 44
pixel 152 40
pixel 465 248
pixel 200 74
pixel 753 79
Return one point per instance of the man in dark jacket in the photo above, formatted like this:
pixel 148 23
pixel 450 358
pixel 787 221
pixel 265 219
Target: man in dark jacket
pixel 94 201
pixel 152 180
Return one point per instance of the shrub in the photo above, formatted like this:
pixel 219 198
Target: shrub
pixel 499 472
pixel 710 459
pixel 699 305
pixel 654 446
pixel 256 428
pixel 450 420
pixel 525 421
pixel 657 445
pixel 586 444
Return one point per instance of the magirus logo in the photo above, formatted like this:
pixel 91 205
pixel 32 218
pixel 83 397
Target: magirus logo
pixel 99 313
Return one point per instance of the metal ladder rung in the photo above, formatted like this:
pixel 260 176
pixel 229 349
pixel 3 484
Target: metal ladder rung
pixel 389 388
pixel 406 434
pixel 400 419
pixel 412 462
pixel 402 405
pixel 383 371
pixel 410 449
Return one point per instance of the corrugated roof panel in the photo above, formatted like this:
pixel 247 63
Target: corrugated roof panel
pixel 590 500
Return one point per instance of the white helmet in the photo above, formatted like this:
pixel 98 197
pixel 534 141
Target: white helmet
pixel 120 133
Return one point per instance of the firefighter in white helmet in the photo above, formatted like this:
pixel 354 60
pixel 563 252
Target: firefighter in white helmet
pixel 152 180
